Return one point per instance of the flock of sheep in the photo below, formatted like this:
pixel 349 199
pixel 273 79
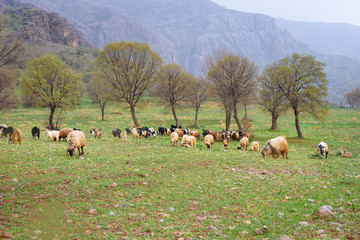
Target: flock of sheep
pixel 76 138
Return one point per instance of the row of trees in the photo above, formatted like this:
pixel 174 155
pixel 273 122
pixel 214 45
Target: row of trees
pixel 125 71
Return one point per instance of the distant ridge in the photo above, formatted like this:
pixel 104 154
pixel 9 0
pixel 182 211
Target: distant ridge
pixel 187 31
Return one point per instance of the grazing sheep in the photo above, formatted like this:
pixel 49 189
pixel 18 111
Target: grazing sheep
pixel 135 133
pixel 180 132
pixel 174 137
pixel 76 139
pixel 116 132
pixel 245 134
pixel 1 127
pixel 195 134
pixel 208 140
pixel 4 131
pixel 188 141
pixel 345 154
pixel 206 132
pixel 161 130
pixel 225 141
pixel 323 149
pixel 96 133
pixel 53 135
pixel 16 137
pixel 64 133
pixel 128 130
pixel 123 136
pixel 35 132
pixel 168 131
pixel 244 143
pixel 276 147
pixel 255 146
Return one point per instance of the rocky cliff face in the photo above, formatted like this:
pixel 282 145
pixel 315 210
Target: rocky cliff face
pixel 184 31
pixel 39 26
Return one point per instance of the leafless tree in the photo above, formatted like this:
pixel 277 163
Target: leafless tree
pixel 198 94
pixel 8 97
pixel 233 79
pixel 10 47
pixel 353 97
pixel 270 96
pixel 130 68
pixel 173 86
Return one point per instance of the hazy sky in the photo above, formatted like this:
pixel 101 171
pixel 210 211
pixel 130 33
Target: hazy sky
pixel 339 11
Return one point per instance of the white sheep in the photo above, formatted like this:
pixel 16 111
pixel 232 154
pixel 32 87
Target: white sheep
pixel 323 149
pixel 53 135
pixel 188 141
pixel 76 139
pixel 123 136
pixel 174 137
pixel 244 143
pixel 276 147
pixel 255 146
pixel 209 140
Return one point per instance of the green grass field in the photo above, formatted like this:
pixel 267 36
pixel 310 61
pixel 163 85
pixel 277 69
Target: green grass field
pixel 147 189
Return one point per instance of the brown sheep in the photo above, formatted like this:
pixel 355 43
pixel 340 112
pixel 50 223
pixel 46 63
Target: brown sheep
pixel 64 133
pixel 180 132
pixel 225 142
pixel 76 139
pixel 276 147
pixel 208 140
pixel 244 143
pixel 16 137
pixel 195 134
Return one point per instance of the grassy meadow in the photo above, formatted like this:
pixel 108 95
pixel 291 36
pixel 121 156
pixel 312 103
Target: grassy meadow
pixel 147 189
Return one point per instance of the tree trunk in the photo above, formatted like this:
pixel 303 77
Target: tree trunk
pixel 237 118
pixel 102 107
pixel 245 108
pixel 274 123
pixel 133 115
pixel 228 119
pixel 297 123
pixel 196 117
pixel 51 117
pixel 175 117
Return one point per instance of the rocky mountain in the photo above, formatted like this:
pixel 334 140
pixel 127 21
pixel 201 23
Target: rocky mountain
pixel 37 26
pixel 327 38
pixel 187 31
pixel 180 31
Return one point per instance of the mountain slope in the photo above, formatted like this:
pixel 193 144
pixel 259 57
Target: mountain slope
pixel 187 31
pixel 327 38
pixel 180 31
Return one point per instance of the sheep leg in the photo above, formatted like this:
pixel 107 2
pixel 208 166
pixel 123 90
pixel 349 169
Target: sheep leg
pixel 82 150
pixel 79 151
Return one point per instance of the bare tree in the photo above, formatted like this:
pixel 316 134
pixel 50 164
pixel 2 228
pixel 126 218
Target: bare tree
pixel 198 94
pixel 130 68
pixel 270 96
pixel 8 97
pixel 173 86
pixel 233 79
pixel 353 97
pixel 99 92
pixel 10 47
